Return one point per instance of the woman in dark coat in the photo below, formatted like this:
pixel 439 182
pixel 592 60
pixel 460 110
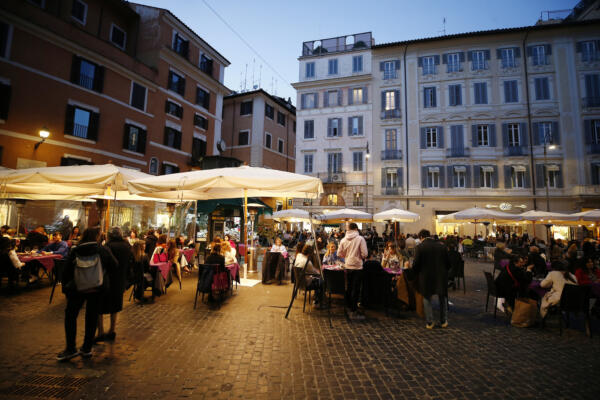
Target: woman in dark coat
pixel 112 303
pixel 513 280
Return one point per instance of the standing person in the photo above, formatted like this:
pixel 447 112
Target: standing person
pixel 88 252
pixel 141 267
pixel 410 243
pixel 112 303
pixel 353 249
pixel 431 266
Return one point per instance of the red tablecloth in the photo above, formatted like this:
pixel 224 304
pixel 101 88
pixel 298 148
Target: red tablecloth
pixel 163 267
pixel 189 255
pixel 234 271
pixel 242 249
pixel 47 261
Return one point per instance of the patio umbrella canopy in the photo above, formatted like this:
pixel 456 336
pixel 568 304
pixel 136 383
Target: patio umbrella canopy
pixel 477 215
pixel 591 215
pixel 345 215
pixel 295 215
pixel 545 216
pixel 396 215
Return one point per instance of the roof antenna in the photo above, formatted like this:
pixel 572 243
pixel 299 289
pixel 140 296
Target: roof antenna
pixel 444 30
pixel 253 63
pixel 260 76
pixel 246 77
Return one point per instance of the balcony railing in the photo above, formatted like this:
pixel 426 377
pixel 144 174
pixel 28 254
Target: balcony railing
pixel 591 102
pixel 387 75
pixel 457 152
pixel 391 154
pixel 429 70
pixel 390 114
pixel 593 148
pixel 479 65
pixel 332 177
pixel 81 131
pixel 454 68
pixel 389 191
pixel 337 44
pixel 86 81
pixel 508 63
pixel 514 151
pixel 590 57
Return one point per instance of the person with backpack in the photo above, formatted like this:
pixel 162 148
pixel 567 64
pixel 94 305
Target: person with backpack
pixel 84 281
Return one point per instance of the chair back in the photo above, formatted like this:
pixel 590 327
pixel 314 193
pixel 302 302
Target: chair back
pixel 490 283
pixel 575 298
pixel 59 269
pixel 205 276
pixel 299 276
pixel 335 281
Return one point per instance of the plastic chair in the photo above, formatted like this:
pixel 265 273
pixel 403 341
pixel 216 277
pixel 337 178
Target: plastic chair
pixel 574 299
pixel 491 286
pixel 57 272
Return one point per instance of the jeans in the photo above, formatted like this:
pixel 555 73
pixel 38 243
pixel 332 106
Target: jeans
pixel 353 286
pixel 429 311
pixel 74 303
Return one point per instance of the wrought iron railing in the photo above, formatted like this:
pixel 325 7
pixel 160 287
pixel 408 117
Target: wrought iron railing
pixel 391 154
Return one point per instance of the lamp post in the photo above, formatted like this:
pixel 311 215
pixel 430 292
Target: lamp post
pixel 367 156
pixel 547 145
pixel 44 133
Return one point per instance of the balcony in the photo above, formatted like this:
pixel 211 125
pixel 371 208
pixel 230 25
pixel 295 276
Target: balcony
pixel 457 152
pixel 589 102
pixel 390 114
pixel 593 148
pixel 391 154
pixel 337 44
pixel 390 191
pixel 389 75
pixel 515 151
pixel 332 177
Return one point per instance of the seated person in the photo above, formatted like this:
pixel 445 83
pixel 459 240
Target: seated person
pixel 390 259
pixel 75 234
pixel 159 249
pixel 4 231
pixel 228 252
pixel 539 264
pixel 513 281
pixel 501 253
pixel 227 238
pixel 58 246
pixel 9 261
pixel 331 257
pixel 37 238
pixel 312 274
pixel 587 273
pixel 468 241
pixel 278 246
pixel 215 257
pixel 555 281
pixel 456 261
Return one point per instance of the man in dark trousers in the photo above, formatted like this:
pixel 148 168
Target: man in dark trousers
pixel 431 266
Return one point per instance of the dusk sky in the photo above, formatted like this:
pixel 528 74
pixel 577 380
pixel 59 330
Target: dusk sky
pixel 276 28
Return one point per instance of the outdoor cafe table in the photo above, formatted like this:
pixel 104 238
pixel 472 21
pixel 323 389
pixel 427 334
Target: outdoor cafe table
pixel 189 255
pixel 47 260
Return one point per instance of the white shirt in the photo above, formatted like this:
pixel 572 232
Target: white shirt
pixel 15 259
pixel 277 249
pixel 230 257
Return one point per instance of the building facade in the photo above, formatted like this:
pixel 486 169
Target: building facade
pixel 110 81
pixel 260 130
pixel 335 119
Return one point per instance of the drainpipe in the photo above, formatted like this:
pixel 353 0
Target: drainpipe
pixel 406 131
pixel 232 129
pixel 531 161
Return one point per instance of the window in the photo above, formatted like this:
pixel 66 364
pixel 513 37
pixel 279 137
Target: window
pixel 544 133
pixel 309 100
pixel 358 200
pixel 198 148
pixel 332 98
pixel 518 177
pixel 82 123
pixel 478 60
pixel 332 200
pixel 153 166
pixel 486 176
pixel 483 135
pixel 355 126
pixel 594 131
pixel 431 141
pixel 390 100
pixel 206 64
pixel 357 161
pixel 138 96
pixel 4 101
pixel 391 178
pixel 203 98
pixel 542 90
pixel 357 64
pixel 389 70
pixel 508 58
pixel 87 74
pixel 455 95
pixel 480 93
pixel 511 94
pixel 134 139
pixel 118 37
pixel 589 51
pixel 429 98
pixel 245 108
pixel 334 162
pixel 553 176
pixel 428 65
pixel 334 127
pixel 5 39
pixel 309 129
pixel 173 109
pixel 180 45
pixel 243 138
pixel 460 177
pixel 172 138
pixel 592 90
pixel 79 11
pixel 281 118
pixel 357 96
pixel 268 140
pixel 433 177
pixel 453 60
pixel 333 67
pixel 539 54
pixel 280 145
pixel 176 83
pixel 308 163
pixel 269 111
pixel 200 121
pixel 391 142
pixel 169 169
pixel 513 135
pixel 310 70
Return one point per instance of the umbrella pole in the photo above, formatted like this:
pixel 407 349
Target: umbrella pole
pixel 246 225
pixel 112 220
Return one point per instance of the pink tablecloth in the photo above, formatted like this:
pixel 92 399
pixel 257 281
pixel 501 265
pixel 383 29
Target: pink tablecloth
pixel 163 267
pixel 189 255
pixel 234 271
pixel 333 267
pixel 47 261
pixel 393 271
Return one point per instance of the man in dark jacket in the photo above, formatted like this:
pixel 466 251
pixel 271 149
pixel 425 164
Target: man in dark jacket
pixel 431 269
pixel 87 247
pixel 539 264
pixel 514 280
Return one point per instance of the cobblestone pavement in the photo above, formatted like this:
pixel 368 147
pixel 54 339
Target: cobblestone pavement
pixel 247 350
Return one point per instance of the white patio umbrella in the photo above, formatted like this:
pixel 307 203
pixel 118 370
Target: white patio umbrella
pixel 396 215
pixel 591 215
pixel 478 215
pixel 546 217
pixel 345 215
pixel 293 215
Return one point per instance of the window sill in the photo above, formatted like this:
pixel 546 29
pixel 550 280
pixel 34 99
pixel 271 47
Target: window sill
pixel 135 153
pixel 71 137
pixel 309 139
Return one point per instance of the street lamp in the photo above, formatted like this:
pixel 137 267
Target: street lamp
pixel 367 178
pixel 548 144
pixel 44 133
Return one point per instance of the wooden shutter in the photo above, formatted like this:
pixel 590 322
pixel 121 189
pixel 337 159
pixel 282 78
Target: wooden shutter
pixel 454 136
pixel 440 137
pixel 423 138
pixel 420 62
pixel 396 65
pixel 468 178
pixel 452 178
pixel 397 100
pixel 185 48
pixel 381 66
pixel 523 136
pixel 382 101
pixel 340 127
pixel 303 101
pixel 70 116
pixel 329 128
pixel 383 178
pixel 181 86
pixel 350 126
pixel 499 54
pixel 594 174
pixel 486 54
pixel 477 176
pixel 316 98
pixel 339 96
pixel 495 177
pixel 442 176
pixel 98 84
pixel 555 133
pixel 504 135
pixel 93 127
pixel 126 136
pixel 587 123
pixel 492 135
pixel 326 99
pixel 444 58
pixel 508 177
pixel 537 134
pixel 517 52
pixel 433 97
pixel 75 69
pixel 436 60
pixel 141 147
pixel 548 49
pixel 474 138
pixel 365 98
pixel 360 126
pixel 424 171
pixel 350 97
pixel 166 136
pixel 399 177
pixel 540 176
pixel 527 181
pixel 469 56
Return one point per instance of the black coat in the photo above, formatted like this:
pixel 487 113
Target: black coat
pixel 431 266
pixel 539 264
pixel 506 285
pixel 109 262
pixel 121 249
pixel 150 244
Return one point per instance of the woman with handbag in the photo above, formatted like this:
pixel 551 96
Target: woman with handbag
pixel 513 281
